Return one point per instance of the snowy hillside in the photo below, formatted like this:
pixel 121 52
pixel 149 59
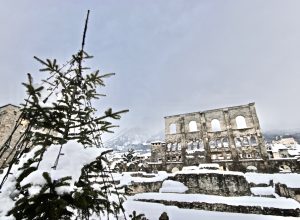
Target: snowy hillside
pixel 135 138
pixel 271 135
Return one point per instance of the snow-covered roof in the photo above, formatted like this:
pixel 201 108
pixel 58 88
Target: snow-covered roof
pixel 187 168
pixel 171 186
pixel 158 142
pixel 277 147
pixel 127 179
pixel 294 152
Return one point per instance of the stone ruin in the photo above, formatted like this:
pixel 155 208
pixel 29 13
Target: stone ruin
pixel 8 117
pixel 228 136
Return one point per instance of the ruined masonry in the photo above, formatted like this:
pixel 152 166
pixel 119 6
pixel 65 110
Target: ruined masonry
pixel 229 136
pixel 8 116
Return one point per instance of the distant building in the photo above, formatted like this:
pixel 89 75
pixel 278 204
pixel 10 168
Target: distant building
pixel 286 147
pixel 288 142
pixel 277 151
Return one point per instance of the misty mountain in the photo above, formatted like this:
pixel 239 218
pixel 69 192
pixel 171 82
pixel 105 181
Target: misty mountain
pixel 136 138
pixel 271 135
pixel 140 140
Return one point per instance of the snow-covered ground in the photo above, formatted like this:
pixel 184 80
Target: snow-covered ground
pixel 127 177
pixel 153 210
pixel 292 180
pixel 201 171
pixel 263 191
pixel 170 186
pixel 280 202
pixel 75 156
pixel 70 164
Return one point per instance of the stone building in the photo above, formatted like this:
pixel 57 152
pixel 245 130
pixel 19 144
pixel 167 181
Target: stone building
pixel 289 142
pixel 227 136
pixel 8 117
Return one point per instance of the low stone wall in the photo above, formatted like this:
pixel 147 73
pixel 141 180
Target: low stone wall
pixel 220 207
pixel 283 190
pixel 8 117
pixel 142 187
pixel 203 183
pixel 214 184
pixel 139 174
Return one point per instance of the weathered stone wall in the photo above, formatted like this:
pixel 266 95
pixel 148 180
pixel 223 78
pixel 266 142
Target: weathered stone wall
pixel 265 166
pixel 8 116
pixel 204 183
pixel 284 191
pixel 225 134
pixel 142 187
pixel 214 184
pixel 158 152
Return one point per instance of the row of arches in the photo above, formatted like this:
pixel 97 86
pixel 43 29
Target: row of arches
pixel 242 155
pixel 174 146
pixel 195 145
pixel 239 142
pixel 173 158
pixel 246 141
pixel 249 155
pixel 219 143
pixel 221 156
pixel 215 125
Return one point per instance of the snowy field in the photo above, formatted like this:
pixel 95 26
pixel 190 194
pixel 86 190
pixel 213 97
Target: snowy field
pixel 292 180
pixel 153 210
pixel 68 166
pixel 280 202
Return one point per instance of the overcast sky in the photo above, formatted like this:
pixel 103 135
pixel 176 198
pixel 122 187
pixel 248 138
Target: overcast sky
pixel 170 56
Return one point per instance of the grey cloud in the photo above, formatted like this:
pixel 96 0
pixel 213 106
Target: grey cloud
pixel 170 56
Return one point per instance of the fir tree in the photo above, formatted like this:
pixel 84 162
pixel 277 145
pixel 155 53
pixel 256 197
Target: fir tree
pixel 58 111
pixel 135 216
pixel 47 204
pixel 129 156
pixel 95 186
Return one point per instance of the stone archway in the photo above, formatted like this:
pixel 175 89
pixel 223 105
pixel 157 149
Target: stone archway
pixel 284 168
pixel 175 169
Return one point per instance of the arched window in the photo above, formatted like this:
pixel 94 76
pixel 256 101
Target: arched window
pixel 215 125
pixel 169 147
pixel 190 145
pixel 212 144
pixel 174 146
pixel 218 143
pixel 195 145
pixel 193 126
pixel 238 142
pixel 245 141
pixel 225 142
pixel 253 141
pixel 240 122
pixel 201 144
pixel 179 146
pixel 172 128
